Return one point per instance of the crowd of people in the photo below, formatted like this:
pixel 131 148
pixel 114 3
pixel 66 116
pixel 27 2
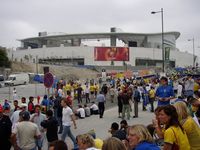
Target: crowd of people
pixel 175 102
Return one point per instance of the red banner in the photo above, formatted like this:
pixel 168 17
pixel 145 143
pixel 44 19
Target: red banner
pixel 111 54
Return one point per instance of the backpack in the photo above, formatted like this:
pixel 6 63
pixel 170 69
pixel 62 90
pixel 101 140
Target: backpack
pixel 137 95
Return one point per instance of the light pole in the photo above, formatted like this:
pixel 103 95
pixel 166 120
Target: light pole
pixel 193 51
pixel 162 38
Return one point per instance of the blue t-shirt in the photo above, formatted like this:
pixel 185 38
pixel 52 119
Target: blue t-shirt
pixel 146 146
pixel 164 92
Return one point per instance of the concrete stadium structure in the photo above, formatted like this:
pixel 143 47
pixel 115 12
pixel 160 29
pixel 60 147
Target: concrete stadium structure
pixel 143 49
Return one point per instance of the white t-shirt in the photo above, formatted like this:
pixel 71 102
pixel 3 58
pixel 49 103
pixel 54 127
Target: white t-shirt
pixel 94 107
pixel 81 111
pixel 87 90
pixel 66 116
pixel 26 132
pixel 38 119
pixel 15 117
pixel 179 90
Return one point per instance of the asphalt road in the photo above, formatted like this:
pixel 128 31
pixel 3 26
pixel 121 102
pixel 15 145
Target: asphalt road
pixel 22 91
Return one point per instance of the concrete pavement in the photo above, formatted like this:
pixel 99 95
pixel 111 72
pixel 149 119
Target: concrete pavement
pixel 101 126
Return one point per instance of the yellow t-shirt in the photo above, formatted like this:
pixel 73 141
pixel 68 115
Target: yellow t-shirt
pixel 177 137
pixel 196 86
pixel 152 93
pixel 193 133
pixel 92 88
pixel 96 87
pixel 67 87
pixel 75 86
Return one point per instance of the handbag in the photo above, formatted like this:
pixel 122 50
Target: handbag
pixel 175 146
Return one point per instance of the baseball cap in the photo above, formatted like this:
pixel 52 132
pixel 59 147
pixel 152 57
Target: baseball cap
pixel 23 105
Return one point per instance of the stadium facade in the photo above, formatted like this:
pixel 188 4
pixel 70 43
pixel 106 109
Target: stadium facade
pixel 136 49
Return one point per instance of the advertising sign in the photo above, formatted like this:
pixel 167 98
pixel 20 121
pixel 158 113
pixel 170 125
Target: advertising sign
pixel 111 54
pixel 167 53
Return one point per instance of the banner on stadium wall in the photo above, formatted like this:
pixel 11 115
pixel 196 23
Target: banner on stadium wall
pixel 167 53
pixel 111 54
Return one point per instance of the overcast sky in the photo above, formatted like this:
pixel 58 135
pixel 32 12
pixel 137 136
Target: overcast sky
pixel 25 18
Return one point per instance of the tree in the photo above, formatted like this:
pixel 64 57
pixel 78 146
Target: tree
pixel 4 61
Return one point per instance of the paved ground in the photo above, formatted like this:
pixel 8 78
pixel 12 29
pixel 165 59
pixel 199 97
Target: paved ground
pixel 22 90
pixel 101 126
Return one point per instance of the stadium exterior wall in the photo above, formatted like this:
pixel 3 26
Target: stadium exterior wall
pixel 181 59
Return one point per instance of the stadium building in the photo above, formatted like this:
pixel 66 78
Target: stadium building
pixel 111 49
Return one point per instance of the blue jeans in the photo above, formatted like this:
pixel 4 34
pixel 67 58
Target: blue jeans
pixel 67 131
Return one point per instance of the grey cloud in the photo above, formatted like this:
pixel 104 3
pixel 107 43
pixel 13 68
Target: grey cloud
pixel 97 16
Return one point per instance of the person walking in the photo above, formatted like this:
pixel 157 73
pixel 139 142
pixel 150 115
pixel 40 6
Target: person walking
pixel 79 93
pixel 58 112
pixel 125 105
pixel 87 94
pixel 51 125
pixel 104 89
pixel 112 93
pixel 15 97
pixel 119 102
pixel 152 97
pixel 136 99
pixel 101 100
pixel 67 116
pixel 145 98
pixel 96 88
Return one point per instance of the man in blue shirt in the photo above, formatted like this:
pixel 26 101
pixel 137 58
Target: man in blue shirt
pixel 101 100
pixel 164 93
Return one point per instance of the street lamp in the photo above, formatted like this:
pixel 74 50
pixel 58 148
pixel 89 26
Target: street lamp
pixel 163 51
pixel 193 51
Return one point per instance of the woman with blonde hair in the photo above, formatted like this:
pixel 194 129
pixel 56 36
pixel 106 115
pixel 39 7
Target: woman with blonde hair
pixel 189 125
pixel 85 142
pixel 140 138
pixel 113 143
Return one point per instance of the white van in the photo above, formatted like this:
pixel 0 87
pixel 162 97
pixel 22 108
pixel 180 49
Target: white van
pixel 1 81
pixel 16 79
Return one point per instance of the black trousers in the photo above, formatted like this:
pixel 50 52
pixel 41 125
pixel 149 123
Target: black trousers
pixel 151 100
pixel 79 98
pixel 136 107
pixel 101 109
pixel 87 97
